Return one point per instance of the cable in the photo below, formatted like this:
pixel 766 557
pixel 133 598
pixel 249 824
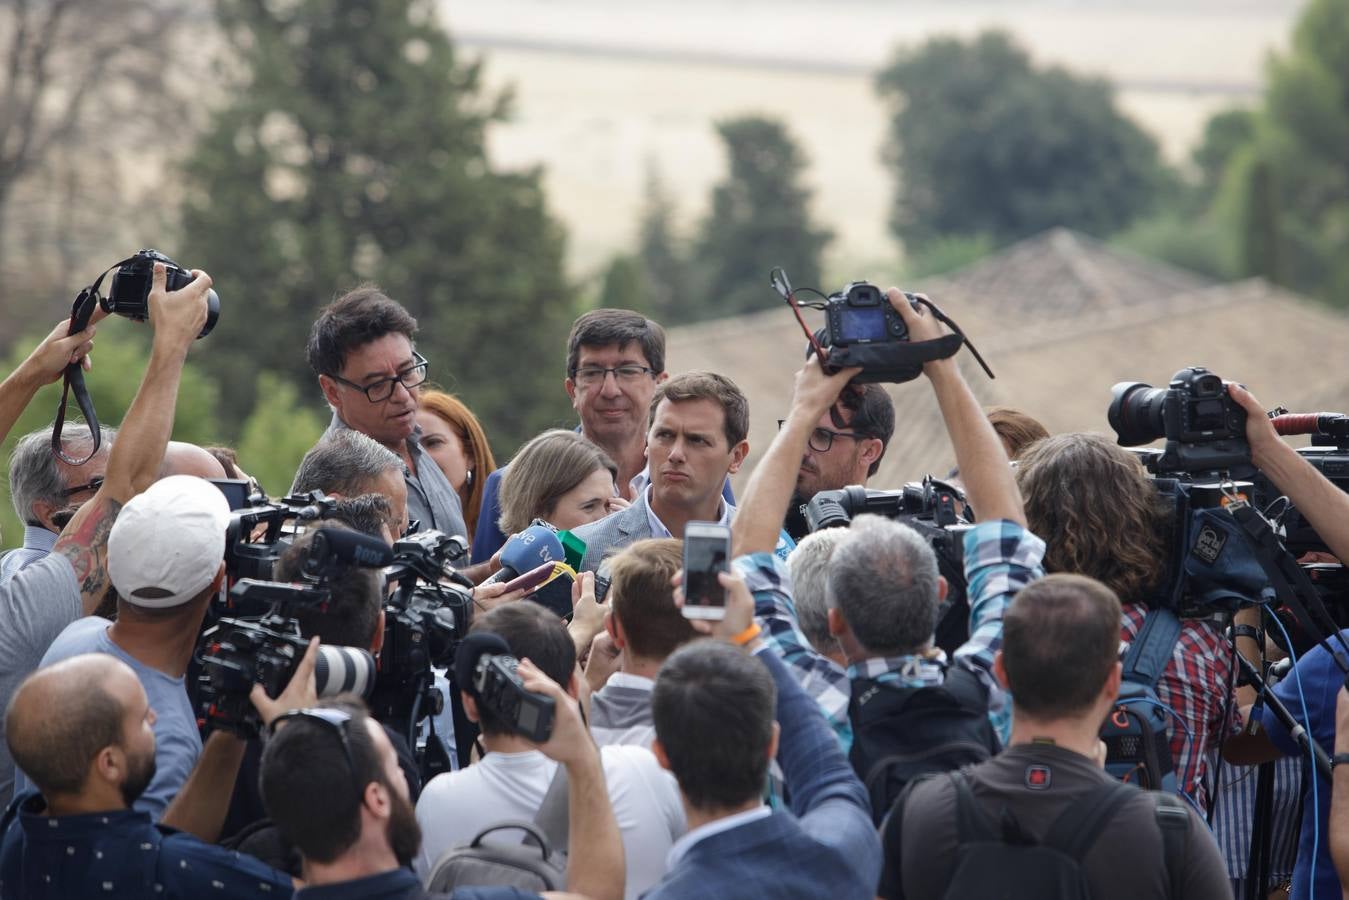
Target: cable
pixel 1315 777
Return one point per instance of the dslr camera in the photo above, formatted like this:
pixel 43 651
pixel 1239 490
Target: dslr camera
pixel 1205 429
pixel 859 321
pixel 130 292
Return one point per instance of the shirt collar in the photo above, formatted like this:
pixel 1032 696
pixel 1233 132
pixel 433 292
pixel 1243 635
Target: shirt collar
pixel 915 670
pixel 681 847
pixel 394 884
pixel 40 826
pixel 627 680
pixel 35 537
pixel 658 529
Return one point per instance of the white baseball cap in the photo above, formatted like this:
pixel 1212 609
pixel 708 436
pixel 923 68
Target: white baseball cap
pixel 168 543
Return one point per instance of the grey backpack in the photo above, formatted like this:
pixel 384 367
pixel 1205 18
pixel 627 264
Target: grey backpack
pixel 536 865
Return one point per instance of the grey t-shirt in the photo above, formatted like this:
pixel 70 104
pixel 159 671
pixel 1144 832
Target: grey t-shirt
pixel 1126 862
pixel 177 741
pixel 39 601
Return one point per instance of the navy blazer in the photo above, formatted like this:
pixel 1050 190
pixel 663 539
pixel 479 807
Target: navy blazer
pixel 826 847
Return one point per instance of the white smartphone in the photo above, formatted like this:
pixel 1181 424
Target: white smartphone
pixel 707 551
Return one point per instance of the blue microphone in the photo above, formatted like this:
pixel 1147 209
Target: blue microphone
pixel 526 551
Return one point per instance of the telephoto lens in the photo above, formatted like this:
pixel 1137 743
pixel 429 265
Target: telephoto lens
pixel 344 670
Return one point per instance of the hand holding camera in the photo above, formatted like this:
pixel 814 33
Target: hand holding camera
pixel 180 315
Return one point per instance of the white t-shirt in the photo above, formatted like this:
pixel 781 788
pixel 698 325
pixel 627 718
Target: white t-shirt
pixel 455 806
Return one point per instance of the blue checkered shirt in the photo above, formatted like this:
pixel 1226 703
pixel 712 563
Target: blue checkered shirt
pixel 821 678
pixel 1001 558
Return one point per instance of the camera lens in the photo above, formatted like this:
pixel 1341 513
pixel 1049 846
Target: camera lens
pixel 344 670
pixel 1136 412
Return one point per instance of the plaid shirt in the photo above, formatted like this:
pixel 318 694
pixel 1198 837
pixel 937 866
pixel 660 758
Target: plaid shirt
pixel 1195 685
pixel 1001 558
pixel 821 678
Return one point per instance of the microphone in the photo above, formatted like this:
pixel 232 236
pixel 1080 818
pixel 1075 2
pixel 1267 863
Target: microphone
pixel 333 547
pixel 526 551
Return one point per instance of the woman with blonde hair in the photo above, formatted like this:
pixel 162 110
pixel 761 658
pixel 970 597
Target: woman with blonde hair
pixel 559 477
pixel 452 436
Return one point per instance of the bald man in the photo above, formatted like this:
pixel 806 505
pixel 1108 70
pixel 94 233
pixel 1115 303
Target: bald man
pixel 182 458
pixel 77 836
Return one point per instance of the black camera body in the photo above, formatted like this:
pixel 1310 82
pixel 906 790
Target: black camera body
pixel 497 685
pixel 1205 429
pixel 129 294
pixel 251 552
pixel 859 325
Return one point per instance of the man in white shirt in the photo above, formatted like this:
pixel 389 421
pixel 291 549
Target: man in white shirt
pixel 511 780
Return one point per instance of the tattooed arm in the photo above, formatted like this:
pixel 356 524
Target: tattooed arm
pixel 139 449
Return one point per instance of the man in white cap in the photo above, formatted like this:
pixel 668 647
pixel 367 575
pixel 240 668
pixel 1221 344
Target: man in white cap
pixel 166 560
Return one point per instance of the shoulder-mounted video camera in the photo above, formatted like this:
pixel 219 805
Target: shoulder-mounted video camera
pixel 862 329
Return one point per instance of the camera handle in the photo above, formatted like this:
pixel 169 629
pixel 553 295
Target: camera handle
pixel 80 313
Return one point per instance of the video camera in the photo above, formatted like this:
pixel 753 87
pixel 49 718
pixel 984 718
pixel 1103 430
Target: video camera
pixel 239 652
pixel 424 620
pixel 861 328
pixel 933 508
pixel 252 555
pixel 488 671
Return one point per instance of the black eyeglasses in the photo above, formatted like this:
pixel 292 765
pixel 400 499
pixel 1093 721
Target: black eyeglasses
pixel 821 439
pixel 379 391
pixel 93 485
pixel 595 375
pixel 336 719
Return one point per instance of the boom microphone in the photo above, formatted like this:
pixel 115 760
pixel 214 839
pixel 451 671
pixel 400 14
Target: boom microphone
pixel 526 551
pixel 334 547
pixel 1323 423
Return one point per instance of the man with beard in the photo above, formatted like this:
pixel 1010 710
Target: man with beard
pixel 331 782
pixel 78 835
pixel 845 448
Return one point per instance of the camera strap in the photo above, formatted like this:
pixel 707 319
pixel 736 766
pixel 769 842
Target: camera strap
pixel 1290 582
pixel 73 379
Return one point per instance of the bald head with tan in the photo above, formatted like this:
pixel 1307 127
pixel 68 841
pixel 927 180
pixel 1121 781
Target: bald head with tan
pixel 181 458
pixel 82 730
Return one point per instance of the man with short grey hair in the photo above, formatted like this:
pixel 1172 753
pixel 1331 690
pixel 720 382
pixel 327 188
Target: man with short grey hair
pixel 46 492
pixel 347 463
pixel 809 568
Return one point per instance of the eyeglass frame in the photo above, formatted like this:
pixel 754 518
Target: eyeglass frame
pixel 93 485
pixel 810 441
pixel 339 720
pixel 605 372
pixel 419 362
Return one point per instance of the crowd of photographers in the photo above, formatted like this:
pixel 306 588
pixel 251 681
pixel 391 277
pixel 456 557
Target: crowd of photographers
pixel 1047 674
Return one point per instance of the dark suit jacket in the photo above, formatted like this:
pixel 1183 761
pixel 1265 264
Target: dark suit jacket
pixel 826 847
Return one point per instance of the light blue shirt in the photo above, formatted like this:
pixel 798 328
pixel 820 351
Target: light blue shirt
pixel 177 741
pixel 37 543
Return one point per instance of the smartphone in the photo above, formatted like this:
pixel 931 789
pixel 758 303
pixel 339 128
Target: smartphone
pixel 531 579
pixel 707 552
pixel 235 491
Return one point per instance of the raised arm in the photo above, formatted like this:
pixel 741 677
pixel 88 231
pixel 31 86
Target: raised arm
pixel 990 485
pixel 177 319
pixel 595 866
pixel 1325 506
pixel 43 366
pixel 764 503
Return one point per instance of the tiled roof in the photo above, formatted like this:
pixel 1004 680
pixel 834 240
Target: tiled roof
pixel 1060 318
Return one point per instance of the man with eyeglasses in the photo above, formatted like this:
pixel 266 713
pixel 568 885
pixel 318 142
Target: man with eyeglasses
pixel 78 834
pixel 361 349
pixel 47 491
pixel 845 448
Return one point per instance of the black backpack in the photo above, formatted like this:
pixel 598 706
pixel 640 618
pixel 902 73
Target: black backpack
pixel 1002 861
pixel 901 733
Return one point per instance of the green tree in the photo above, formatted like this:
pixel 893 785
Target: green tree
pixel 277 434
pixel 1286 193
pixel 759 218
pixel 120 353
pixel 982 142
pixel 664 259
pixel 352 149
pixel 625 284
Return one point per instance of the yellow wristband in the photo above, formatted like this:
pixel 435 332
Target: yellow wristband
pixel 747 635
